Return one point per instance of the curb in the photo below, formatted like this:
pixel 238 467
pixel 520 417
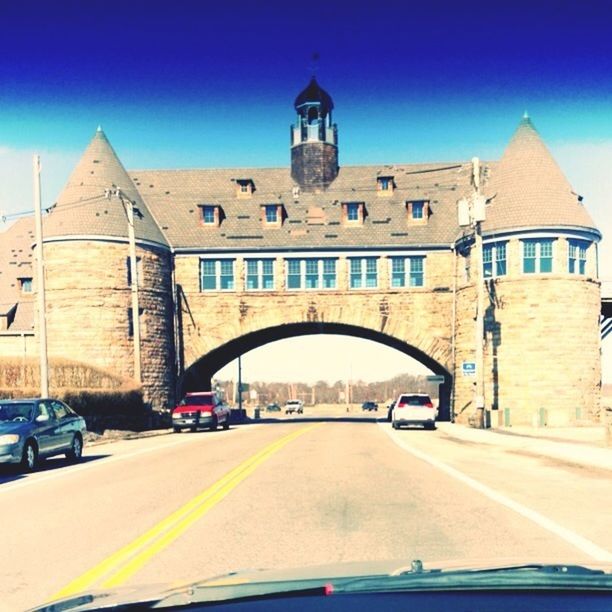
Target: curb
pixel 566 451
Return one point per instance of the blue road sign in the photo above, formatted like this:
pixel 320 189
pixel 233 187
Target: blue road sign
pixel 468 368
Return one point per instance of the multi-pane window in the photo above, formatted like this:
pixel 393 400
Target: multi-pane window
pixel 577 257
pixel 363 273
pixel 417 210
pixel 216 274
pixel 352 211
pixel 494 259
pixel 311 273
pixel 208 215
pixel 271 213
pixel 408 271
pixel 537 255
pixel 260 274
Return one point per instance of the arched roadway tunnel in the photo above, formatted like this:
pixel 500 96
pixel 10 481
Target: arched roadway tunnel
pixel 199 375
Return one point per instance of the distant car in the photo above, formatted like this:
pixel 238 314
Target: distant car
pixel 294 405
pixel 33 429
pixel 200 409
pixel 414 409
pixel 369 406
pixel 273 407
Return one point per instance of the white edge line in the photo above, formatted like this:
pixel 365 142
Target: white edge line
pixel 586 546
pixel 28 481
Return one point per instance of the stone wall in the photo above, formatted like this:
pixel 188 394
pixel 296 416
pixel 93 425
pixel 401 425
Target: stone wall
pixel 314 165
pixel 542 344
pixel 88 303
pixel 420 317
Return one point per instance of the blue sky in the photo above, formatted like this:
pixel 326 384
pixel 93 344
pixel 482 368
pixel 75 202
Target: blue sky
pixel 192 84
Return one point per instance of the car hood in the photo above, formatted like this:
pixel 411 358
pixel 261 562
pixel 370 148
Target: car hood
pixel 9 427
pixel 330 578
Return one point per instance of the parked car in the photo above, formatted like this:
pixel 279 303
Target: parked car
pixel 200 409
pixel 33 429
pixel 369 406
pixel 294 405
pixel 273 407
pixel 414 409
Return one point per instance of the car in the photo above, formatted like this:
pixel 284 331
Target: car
pixel 414 409
pixel 202 409
pixel 273 407
pixel 369 406
pixel 294 405
pixel 34 429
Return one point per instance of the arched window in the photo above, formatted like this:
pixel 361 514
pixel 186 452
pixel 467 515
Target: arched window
pixel 313 115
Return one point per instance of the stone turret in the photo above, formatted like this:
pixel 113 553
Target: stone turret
pixel 88 283
pixel 541 320
pixel 314 139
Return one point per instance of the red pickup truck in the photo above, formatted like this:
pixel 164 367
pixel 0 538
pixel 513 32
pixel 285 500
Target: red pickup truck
pixel 201 409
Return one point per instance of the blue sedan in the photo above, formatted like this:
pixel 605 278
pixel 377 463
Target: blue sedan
pixel 33 429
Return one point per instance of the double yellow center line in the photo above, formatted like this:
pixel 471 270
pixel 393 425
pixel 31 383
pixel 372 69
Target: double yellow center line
pixel 117 568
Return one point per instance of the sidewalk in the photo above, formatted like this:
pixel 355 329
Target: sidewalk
pixel 572 446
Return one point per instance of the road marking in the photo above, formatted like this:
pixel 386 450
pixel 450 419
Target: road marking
pixel 583 544
pixel 120 566
pixel 37 477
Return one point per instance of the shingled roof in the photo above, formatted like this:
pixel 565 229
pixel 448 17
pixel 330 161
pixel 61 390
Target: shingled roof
pixel 15 263
pixel 82 209
pixel 528 189
pixel 313 220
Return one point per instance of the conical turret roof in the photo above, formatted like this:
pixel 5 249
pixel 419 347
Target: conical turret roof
pixel 82 208
pixel 529 189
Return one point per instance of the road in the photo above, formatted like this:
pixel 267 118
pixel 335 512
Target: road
pixel 294 492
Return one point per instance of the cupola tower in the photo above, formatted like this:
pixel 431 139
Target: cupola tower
pixel 314 139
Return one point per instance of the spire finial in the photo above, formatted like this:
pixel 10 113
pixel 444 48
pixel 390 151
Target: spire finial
pixel 525 115
pixel 99 128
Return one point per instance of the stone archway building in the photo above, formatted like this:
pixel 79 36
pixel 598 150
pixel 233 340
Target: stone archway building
pixel 225 254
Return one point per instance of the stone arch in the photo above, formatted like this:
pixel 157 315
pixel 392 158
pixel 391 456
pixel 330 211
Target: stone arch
pixel 199 374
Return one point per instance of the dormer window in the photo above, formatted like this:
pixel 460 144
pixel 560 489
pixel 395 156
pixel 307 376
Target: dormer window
pixel 210 215
pixel 385 185
pixel 417 210
pixel 25 284
pixel 272 215
pixel 245 188
pixel 353 213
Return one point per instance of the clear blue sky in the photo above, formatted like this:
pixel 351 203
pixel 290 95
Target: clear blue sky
pixel 199 84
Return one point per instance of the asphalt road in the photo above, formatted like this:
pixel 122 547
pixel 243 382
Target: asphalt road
pixel 296 492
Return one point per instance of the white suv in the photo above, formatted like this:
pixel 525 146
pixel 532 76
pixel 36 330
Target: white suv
pixel 294 405
pixel 414 409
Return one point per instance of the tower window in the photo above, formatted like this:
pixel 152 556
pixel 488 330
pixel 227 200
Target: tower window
pixel 577 257
pixel 537 256
pixel 494 259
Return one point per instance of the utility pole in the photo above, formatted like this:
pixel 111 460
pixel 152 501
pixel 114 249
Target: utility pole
pixel 40 294
pixel 128 207
pixel 472 212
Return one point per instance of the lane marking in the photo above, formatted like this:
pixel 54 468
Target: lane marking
pixel 117 568
pixel 583 544
pixel 60 472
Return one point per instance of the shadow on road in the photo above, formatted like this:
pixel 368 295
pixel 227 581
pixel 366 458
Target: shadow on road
pixel 12 473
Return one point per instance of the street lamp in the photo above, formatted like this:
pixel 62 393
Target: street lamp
pixel 471 213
